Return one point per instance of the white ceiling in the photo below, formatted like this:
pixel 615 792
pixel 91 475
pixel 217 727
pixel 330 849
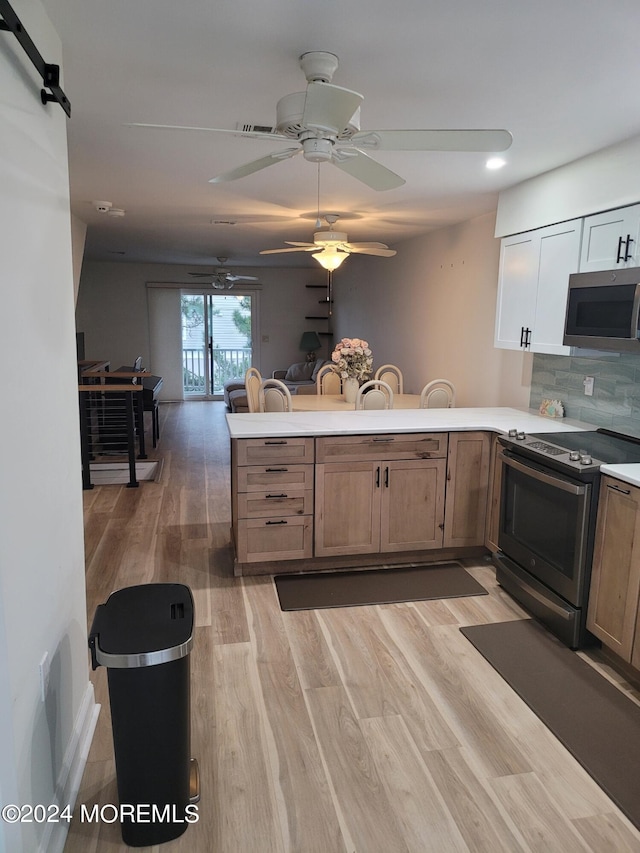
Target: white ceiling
pixel 561 75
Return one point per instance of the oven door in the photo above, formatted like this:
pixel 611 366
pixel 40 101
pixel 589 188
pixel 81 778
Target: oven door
pixel 544 525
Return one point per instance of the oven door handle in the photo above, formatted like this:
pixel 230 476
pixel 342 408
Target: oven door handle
pixel 549 479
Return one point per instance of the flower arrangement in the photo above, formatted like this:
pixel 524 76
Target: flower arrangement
pixel 353 359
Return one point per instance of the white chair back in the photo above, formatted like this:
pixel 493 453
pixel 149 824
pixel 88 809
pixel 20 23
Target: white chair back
pixel 392 375
pixel 252 380
pixel 374 394
pixel 438 394
pixel 328 380
pixel 274 396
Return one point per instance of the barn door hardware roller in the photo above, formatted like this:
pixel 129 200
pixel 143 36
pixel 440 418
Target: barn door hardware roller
pixel 50 73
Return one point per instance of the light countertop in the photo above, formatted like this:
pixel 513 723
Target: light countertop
pixel 627 473
pixel 501 420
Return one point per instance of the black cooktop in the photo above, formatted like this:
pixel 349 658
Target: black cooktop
pixel 605 446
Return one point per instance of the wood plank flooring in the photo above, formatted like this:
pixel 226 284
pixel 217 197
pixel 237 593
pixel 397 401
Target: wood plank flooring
pixel 363 730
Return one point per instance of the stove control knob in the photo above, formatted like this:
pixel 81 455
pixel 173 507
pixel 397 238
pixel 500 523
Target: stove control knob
pixel 585 459
pixel 513 433
pixel 574 456
pixel 520 436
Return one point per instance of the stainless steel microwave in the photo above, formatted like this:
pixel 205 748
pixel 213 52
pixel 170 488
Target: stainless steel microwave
pixel 602 310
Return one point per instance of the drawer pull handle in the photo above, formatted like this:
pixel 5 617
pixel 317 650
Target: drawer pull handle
pixel 276 470
pixel 276 522
pixel 276 496
pixel 618 489
pixel 383 439
pixel 275 442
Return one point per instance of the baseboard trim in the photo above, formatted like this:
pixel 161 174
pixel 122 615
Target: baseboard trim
pixel 70 775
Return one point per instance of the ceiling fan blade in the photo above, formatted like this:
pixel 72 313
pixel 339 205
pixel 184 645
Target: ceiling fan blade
pixel 381 253
pixel 361 246
pixel 369 171
pixel 432 140
pixel 280 251
pixel 255 165
pixel 328 107
pixel 202 274
pixel 296 243
pixel 233 278
pixel 254 134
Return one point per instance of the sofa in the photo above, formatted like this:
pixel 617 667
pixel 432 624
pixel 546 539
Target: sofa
pixel 300 378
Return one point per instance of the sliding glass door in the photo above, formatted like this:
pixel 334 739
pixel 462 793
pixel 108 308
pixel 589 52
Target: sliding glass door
pixel 217 336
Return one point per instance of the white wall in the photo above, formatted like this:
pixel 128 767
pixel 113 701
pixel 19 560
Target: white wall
pixel 42 592
pixel 431 311
pixel 112 311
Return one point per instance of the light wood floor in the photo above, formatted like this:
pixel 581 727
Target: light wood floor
pixel 368 729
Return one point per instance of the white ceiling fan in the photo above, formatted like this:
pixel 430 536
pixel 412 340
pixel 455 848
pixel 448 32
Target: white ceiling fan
pixel 331 247
pixel 324 123
pixel 223 277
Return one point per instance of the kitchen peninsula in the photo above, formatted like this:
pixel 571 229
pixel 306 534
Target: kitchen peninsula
pixel 322 490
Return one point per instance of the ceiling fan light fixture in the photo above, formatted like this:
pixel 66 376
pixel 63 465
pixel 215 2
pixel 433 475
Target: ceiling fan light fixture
pixel 330 258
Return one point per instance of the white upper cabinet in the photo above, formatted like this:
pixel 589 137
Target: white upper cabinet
pixel 532 287
pixel 611 240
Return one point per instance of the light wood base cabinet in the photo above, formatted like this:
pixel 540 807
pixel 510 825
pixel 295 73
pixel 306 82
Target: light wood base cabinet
pixel 613 614
pixel 467 489
pixel 367 507
pixel 335 497
pixel 272 499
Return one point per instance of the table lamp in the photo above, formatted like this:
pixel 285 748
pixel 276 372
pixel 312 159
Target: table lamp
pixel 310 342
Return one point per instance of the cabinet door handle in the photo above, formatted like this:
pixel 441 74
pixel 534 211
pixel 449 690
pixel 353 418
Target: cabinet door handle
pixel 627 254
pixel 275 442
pixel 386 477
pixel 276 522
pixel 276 496
pixel 619 258
pixel 275 470
pixel 378 477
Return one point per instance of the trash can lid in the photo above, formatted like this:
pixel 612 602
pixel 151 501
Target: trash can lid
pixel 143 625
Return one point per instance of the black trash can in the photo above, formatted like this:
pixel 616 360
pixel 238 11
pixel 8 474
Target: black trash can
pixel 143 635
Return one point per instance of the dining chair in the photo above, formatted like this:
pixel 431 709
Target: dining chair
pixel 438 394
pixel 328 380
pixel 374 394
pixel 392 375
pixel 252 381
pixel 274 396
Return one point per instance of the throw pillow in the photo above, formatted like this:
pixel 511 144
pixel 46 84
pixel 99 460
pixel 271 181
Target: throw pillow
pixel 300 372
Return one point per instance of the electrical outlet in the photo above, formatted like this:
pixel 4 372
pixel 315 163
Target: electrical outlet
pixel 44 668
pixel 588 386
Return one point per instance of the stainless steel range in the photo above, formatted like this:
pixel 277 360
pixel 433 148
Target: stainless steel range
pixel 549 498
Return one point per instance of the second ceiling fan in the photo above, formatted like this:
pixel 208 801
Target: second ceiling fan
pixel 222 277
pixel 331 247
pixel 324 123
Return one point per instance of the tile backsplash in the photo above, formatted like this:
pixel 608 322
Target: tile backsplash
pixel 616 392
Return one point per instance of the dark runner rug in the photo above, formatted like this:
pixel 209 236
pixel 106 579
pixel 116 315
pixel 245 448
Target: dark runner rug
pixel 375 586
pixel 595 721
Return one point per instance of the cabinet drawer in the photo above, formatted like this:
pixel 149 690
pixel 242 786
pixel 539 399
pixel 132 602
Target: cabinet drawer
pixel 265 451
pixel 275 539
pixel 257 478
pixel 354 448
pixel 275 502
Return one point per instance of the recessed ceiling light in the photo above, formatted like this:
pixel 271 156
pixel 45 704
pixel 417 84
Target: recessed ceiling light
pixel 495 163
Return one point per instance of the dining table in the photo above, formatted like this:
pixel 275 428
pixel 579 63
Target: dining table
pixel 337 402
